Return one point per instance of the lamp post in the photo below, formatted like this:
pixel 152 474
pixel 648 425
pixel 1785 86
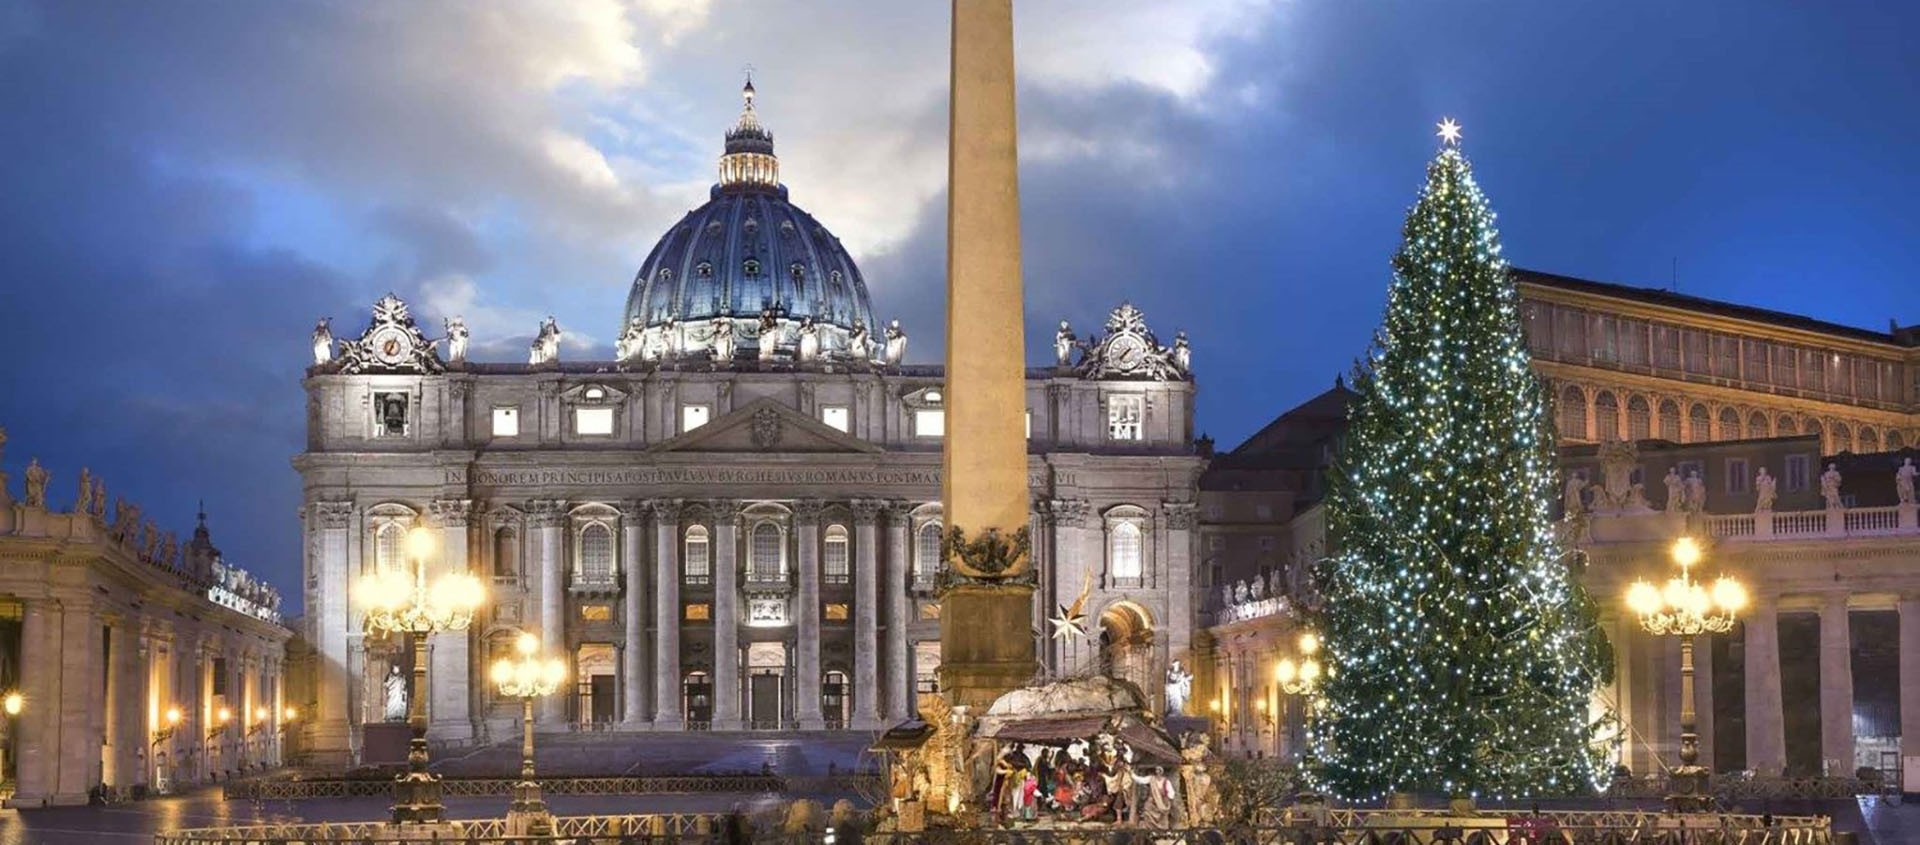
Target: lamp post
pixel 404 603
pixel 288 716
pixel 527 678
pixel 12 703
pixel 161 781
pixel 1685 608
pixel 1299 676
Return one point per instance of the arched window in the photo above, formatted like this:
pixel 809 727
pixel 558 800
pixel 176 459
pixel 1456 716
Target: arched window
pixel 697 562
pixel 1896 441
pixel 1757 424
pixel 506 554
pixel 596 554
pixel 704 269
pixel 1639 419
pixel 1869 440
pixel 1818 432
pixel 1573 414
pixel 767 563
pixel 926 553
pixel 1606 416
pixel 1123 553
pixel 1669 421
pixel 1698 425
pixel 833 564
pixel 389 548
pixel 1786 426
pixel 1729 424
pixel 1842 438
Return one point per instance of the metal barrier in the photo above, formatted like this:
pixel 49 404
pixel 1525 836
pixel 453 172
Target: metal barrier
pixel 280 789
pixel 1735 787
pixel 654 828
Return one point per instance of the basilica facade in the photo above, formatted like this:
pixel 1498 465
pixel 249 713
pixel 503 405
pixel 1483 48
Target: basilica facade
pixel 735 524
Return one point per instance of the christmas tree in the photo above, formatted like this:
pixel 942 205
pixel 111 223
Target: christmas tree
pixel 1463 654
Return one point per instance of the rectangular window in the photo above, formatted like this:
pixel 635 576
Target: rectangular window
pixel 596 612
pixel 506 422
pixel 929 422
pixel 694 416
pixel 1029 425
pixel 1123 417
pixel 836 612
pixel 836 417
pixel 698 568
pixel 390 414
pixel 1736 475
pixel 699 612
pixel 593 422
pixel 833 564
pixel 1796 473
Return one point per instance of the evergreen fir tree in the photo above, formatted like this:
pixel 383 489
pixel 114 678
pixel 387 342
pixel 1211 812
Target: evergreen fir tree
pixel 1463 654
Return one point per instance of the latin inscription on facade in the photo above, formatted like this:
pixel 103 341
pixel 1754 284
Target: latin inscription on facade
pixel 647 476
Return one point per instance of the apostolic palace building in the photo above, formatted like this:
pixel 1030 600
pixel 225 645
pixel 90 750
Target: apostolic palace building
pixel 1784 443
pixel 736 524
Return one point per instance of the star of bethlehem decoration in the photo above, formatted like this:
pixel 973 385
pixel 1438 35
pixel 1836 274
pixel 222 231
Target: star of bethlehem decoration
pixel 1449 131
pixel 1070 623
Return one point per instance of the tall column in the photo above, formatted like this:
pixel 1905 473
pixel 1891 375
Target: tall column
pixel 806 517
pixel 1071 568
pixel 666 613
pixel 1178 572
pixel 329 735
pixel 82 698
pixel 633 669
pixel 38 745
pixel 549 521
pixel 726 615
pixel 451 682
pixel 1766 721
pixel 866 591
pixel 899 688
pixel 1910 692
pixel 984 486
pixel 1836 685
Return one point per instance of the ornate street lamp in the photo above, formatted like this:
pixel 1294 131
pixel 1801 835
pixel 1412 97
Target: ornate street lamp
pixel 528 678
pixel 404 603
pixel 1300 677
pixel 1685 608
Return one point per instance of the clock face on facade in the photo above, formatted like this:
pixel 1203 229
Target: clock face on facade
pixel 1127 353
pixel 390 346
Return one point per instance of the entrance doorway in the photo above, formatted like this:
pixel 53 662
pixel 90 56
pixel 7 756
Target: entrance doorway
pixel 594 667
pixel 1126 645
pixel 766 681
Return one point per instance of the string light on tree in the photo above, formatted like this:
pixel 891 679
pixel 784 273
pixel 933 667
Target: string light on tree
pixel 1460 653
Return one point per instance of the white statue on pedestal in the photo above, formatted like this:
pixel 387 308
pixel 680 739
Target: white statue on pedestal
pixel 1182 353
pixel 1763 491
pixel 724 343
pixel 36 484
pixel 769 335
pixel 456 339
pixel 1903 480
pixel 86 491
pixel 896 350
pixel 1179 688
pixel 860 343
pixel 396 691
pixel 809 340
pixel 1696 492
pixel 670 338
pixel 628 343
pixel 1576 485
pixel 1676 490
pixel 1830 487
pixel 323 341
pixel 1063 341
pixel 546 344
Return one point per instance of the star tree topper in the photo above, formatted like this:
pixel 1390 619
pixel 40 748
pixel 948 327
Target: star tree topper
pixel 1070 623
pixel 1449 131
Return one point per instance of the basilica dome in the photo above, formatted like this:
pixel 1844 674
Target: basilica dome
pixel 748 263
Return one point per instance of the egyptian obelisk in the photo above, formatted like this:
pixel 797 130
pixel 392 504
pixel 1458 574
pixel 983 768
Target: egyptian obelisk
pixel 986 606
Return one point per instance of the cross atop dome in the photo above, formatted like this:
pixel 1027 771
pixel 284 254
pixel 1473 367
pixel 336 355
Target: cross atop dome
pixel 748 162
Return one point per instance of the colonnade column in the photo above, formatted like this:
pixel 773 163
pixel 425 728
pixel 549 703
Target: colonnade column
pixel 1836 685
pixel 329 734
pixel 633 668
pixel 1766 721
pixel 38 745
pixel 666 614
pixel 1909 683
pixel 807 660
pixel 82 696
pixel 866 709
pixel 899 689
pixel 451 681
pixel 549 518
pixel 726 615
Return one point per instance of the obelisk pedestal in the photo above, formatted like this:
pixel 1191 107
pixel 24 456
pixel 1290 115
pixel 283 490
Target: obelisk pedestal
pixel 986 612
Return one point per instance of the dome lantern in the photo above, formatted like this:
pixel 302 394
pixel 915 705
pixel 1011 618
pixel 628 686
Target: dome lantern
pixel 748 162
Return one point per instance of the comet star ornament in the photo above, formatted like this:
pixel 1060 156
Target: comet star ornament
pixel 1070 623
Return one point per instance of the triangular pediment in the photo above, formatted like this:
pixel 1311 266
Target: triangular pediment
pixel 765 425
